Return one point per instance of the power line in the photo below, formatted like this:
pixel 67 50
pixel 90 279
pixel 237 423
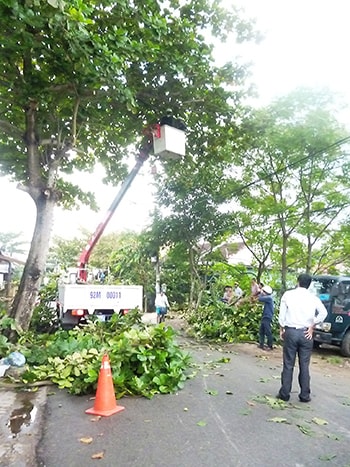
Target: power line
pixel 291 165
pixel 274 220
pixel 240 189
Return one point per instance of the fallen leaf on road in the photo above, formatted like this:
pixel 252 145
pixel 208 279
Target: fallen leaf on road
pixel 278 420
pixel 264 380
pixel 275 403
pixel 229 392
pixel 334 437
pixel 86 440
pixel 300 407
pixel 327 457
pixel 98 455
pixel 212 392
pixel 224 360
pixel 251 403
pixel 201 423
pixel 305 430
pixel 185 409
pixel 319 421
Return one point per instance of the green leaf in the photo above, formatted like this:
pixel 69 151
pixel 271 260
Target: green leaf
pixel 53 3
pixel 264 380
pixel 306 430
pixel 278 420
pixel 245 411
pixel 212 392
pixel 319 421
pixel 327 457
pixel 333 436
pixel 224 360
pixel 202 423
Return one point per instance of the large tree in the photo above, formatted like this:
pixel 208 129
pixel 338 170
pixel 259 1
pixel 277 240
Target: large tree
pixel 296 174
pixel 193 195
pixel 80 80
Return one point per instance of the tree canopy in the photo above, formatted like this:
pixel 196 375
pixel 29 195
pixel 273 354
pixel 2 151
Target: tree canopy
pixel 295 178
pixel 80 80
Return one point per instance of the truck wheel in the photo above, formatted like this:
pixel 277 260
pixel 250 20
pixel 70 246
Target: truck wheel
pixel 317 345
pixel 345 345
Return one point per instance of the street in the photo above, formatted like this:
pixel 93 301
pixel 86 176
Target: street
pixel 226 415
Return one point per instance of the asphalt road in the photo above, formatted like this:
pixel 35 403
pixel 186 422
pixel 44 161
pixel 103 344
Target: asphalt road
pixel 225 416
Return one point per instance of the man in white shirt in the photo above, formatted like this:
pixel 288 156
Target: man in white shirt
pixel 300 311
pixel 162 305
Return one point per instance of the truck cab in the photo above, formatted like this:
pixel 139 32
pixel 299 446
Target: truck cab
pixel 334 292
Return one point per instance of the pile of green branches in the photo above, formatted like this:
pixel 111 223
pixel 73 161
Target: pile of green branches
pixel 145 360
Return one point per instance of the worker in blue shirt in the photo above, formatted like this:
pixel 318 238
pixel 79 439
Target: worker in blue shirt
pixel 265 297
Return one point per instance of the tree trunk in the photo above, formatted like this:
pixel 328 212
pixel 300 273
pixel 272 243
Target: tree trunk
pixel 284 264
pixel 192 291
pixel 193 276
pixel 309 255
pixel 24 302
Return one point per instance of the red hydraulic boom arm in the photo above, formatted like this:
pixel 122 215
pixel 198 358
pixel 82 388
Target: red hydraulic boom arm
pixel 85 254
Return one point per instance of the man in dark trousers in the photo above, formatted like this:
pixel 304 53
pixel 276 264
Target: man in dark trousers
pixel 265 326
pixel 300 311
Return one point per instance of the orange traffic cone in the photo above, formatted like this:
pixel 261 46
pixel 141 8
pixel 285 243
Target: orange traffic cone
pixel 105 401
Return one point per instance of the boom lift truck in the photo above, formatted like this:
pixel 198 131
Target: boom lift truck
pixel 79 299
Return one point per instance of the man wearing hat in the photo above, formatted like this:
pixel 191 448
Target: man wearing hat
pixel 265 326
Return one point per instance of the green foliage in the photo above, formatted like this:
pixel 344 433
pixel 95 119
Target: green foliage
pixel 64 253
pixel 130 263
pixel 7 325
pixel 45 317
pixel 297 174
pixel 145 360
pixel 226 274
pixel 81 80
pixel 228 323
pixel 175 274
pixel 11 243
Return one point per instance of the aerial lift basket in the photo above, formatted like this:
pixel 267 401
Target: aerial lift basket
pixel 169 142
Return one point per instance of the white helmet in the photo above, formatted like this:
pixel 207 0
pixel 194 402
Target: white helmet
pixel 267 289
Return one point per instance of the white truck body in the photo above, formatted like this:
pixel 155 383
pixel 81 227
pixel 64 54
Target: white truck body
pixel 101 300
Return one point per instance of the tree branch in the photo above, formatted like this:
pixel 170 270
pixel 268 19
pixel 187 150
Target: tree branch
pixel 10 129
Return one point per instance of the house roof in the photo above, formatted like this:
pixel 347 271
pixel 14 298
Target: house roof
pixel 9 259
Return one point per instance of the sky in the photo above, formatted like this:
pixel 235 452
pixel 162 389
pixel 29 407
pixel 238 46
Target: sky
pixel 305 44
